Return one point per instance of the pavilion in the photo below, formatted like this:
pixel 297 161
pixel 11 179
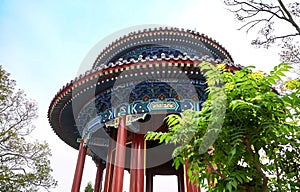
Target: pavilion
pixel 135 82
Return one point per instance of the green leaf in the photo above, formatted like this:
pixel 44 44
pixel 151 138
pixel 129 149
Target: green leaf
pixel 234 184
pixel 229 186
pixel 232 153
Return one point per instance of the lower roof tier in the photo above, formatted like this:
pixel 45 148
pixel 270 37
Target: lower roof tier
pixel 160 85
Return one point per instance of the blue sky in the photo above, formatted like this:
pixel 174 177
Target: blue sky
pixel 42 44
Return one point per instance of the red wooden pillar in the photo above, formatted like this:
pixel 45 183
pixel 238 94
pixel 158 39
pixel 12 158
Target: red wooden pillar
pixel 180 179
pixel 211 182
pixel 109 162
pixel 79 167
pixel 133 163
pixel 117 183
pixel 140 172
pixel 149 181
pixel 99 175
pixel 137 169
pixel 190 187
pixel 195 188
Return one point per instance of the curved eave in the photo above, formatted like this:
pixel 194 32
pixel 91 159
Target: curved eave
pixel 66 129
pixel 155 36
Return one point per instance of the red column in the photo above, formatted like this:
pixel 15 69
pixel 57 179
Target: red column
pixel 109 162
pixel 79 167
pixel 133 163
pixel 199 189
pixel 187 182
pixel 195 188
pixel 117 183
pixel 180 179
pixel 137 169
pixel 149 181
pixel 99 175
pixel 211 182
pixel 190 187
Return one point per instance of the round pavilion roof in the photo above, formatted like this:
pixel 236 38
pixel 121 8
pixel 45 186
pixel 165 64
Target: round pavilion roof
pixel 147 49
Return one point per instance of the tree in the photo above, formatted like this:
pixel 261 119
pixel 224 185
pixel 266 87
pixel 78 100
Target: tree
pixel 275 22
pixel 89 187
pixel 24 165
pixel 256 140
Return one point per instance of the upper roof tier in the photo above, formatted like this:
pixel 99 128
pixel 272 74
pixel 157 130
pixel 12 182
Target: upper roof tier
pixel 154 41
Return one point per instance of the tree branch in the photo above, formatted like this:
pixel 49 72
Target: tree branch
pixel 275 38
pixel 256 164
pixel 255 12
pixel 290 17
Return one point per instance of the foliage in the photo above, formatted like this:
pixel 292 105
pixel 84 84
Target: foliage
pixel 5 84
pixel 89 187
pixel 24 165
pixel 257 148
pixel 275 22
pixel 293 84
